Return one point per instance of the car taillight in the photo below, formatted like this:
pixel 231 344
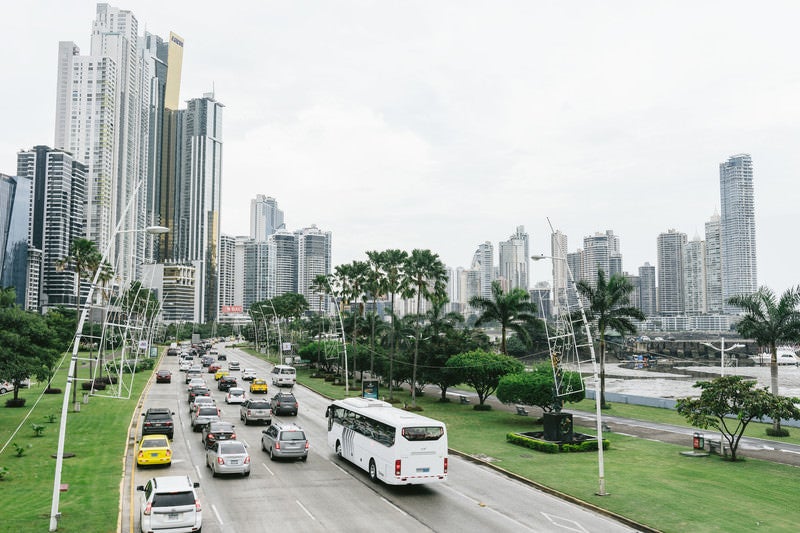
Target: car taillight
pixel 233 435
pixel 220 460
pixel 168 423
pixel 197 505
pixel 445 465
pixel 141 454
pixel 306 445
pixel 397 467
pixel 169 453
pixel 247 460
pixel 277 445
pixel 147 509
pixel 295 405
pixel 211 436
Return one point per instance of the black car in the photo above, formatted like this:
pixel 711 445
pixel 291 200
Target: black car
pixel 222 357
pixel 284 403
pixel 226 382
pixel 198 390
pixel 158 421
pixel 206 360
pixel 217 431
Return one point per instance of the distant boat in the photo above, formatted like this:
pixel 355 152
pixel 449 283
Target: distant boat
pixel 786 356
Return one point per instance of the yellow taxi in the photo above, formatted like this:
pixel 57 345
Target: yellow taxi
pixel 154 450
pixel 259 385
pixel 220 373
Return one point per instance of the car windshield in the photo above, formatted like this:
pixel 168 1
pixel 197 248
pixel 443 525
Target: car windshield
pixel 232 447
pixel 173 499
pixel 293 435
pixel 158 416
pixel 154 443
pixel 423 433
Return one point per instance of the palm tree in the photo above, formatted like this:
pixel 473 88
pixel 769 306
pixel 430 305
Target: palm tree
pixel 609 307
pixel 391 263
pixel 84 260
pixel 770 323
pixel 512 309
pixel 322 286
pixel 373 288
pixel 426 278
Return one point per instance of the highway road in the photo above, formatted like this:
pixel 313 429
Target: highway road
pixel 326 493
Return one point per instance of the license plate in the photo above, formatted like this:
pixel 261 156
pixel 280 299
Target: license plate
pixel 154 454
pixel 423 469
pixel 234 461
pixel 173 516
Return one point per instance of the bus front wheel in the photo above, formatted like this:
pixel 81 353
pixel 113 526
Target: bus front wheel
pixel 373 470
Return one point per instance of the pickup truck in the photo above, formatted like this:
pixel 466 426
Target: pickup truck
pixel 255 410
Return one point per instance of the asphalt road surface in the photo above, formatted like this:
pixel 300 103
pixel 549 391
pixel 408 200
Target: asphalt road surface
pixel 328 494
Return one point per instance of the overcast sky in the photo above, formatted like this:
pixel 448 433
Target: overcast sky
pixel 444 124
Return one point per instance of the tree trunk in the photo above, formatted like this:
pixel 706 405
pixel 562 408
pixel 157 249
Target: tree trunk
pixel 773 379
pixel 603 404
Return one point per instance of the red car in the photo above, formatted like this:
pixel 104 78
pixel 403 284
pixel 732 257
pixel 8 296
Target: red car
pixel 213 367
pixel 163 376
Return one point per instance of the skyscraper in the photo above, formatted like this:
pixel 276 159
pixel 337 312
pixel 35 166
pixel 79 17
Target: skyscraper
pixel 15 200
pixel 694 276
pixel 558 251
pixel 313 259
pixel 647 290
pixel 601 251
pixel 56 210
pixel 713 266
pixel 670 272
pixel 738 228
pixel 265 217
pixel 515 258
pixel 483 262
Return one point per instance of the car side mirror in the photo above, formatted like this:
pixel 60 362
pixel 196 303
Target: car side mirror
pixel 196 484
pixel 264 431
pixel 140 487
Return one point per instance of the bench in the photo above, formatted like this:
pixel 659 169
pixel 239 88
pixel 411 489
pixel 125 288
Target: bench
pixel 463 399
pixel 521 411
pixel 714 447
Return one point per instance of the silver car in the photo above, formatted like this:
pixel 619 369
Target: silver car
pixel 228 457
pixel 204 415
pixel 285 441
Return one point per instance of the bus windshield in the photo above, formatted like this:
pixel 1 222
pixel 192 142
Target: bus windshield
pixel 423 433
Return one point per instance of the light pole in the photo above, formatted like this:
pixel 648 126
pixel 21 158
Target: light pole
pixel 595 376
pixel 62 431
pixel 721 351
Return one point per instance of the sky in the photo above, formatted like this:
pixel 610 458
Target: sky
pixel 442 125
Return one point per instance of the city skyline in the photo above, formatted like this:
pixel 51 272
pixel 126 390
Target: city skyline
pixel 416 126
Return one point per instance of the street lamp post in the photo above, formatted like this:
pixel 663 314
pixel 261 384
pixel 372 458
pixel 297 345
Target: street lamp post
pixel 595 376
pixel 62 432
pixel 721 351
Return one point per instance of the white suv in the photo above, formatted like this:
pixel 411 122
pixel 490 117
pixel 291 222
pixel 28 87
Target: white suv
pixel 169 504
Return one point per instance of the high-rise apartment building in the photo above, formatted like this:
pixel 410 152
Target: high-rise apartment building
pixel 601 251
pixel 227 271
pixel 648 299
pixel 514 258
pixel 541 297
pixel 56 220
pixel 561 282
pixel 669 249
pixel 313 259
pixel 713 266
pixel 483 262
pixel 255 271
pixel 265 217
pixel 694 277
pixel 738 228
pixel 282 274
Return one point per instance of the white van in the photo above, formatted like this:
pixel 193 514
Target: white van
pixel 284 375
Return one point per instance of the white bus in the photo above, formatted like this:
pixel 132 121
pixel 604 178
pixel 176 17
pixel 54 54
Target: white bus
pixel 395 446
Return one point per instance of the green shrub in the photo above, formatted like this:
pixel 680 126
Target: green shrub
pixel 38 430
pixel 534 444
pixel 483 407
pixel 3 473
pixel 19 402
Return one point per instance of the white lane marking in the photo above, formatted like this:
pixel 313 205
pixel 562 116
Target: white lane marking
pixel 311 516
pixel 624 434
pixel 340 468
pixel 199 472
pixel 267 469
pixel 219 518
pixel 564 523
pixel 483 505
pixel 245 443
pixel 396 508
pixel 790 451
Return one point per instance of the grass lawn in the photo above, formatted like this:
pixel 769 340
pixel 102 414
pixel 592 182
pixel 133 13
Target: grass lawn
pixel 96 435
pixel 648 481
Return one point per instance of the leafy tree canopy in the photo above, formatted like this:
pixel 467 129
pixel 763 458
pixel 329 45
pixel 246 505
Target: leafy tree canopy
pixel 729 403
pixel 536 388
pixel 483 370
pixel 28 346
